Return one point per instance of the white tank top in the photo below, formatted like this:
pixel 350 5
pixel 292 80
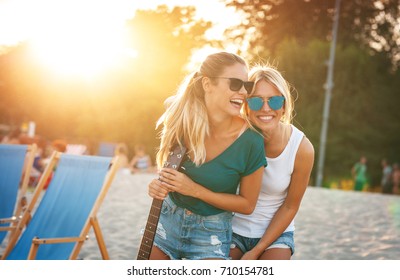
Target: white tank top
pixel 274 188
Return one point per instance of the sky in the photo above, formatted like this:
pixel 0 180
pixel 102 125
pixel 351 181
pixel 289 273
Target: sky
pixel 23 19
pixel 53 26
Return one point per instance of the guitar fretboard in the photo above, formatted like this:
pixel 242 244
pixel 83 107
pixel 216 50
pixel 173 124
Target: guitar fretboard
pixel 150 230
pixel 175 159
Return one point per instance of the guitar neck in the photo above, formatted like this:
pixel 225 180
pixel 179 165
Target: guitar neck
pixel 174 160
pixel 150 230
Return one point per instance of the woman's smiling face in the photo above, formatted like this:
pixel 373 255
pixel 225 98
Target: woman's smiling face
pixel 265 118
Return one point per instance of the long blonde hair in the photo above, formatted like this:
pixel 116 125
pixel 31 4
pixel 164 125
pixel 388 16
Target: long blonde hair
pixel 185 121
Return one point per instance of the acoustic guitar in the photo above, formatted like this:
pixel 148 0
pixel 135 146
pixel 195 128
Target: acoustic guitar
pixel 174 160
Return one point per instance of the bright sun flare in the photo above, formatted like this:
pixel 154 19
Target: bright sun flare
pixel 83 38
pixel 79 51
pixel 79 38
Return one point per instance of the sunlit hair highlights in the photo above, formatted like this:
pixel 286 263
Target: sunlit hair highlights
pixel 274 77
pixel 185 120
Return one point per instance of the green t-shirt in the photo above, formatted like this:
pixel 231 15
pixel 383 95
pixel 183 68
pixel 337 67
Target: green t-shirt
pixel 361 171
pixel 223 173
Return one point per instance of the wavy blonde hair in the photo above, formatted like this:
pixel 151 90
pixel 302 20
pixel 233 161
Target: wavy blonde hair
pixel 185 121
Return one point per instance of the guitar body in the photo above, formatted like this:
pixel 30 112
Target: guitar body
pixel 174 160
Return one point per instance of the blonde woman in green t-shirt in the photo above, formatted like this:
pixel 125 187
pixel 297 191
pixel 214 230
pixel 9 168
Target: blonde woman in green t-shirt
pixel 223 152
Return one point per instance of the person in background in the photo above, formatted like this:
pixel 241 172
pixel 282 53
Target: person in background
pixel 58 145
pixel 396 178
pixel 223 152
pixel 141 161
pixel 386 181
pixel 12 137
pixel 122 152
pixel 359 172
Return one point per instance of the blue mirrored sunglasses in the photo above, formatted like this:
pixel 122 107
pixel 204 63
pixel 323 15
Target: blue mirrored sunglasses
pixel 274 102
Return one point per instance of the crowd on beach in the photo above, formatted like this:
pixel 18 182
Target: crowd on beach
pixel 390 179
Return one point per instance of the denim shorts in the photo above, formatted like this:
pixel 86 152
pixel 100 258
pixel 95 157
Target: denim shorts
pixel 182 234
pixel 245 244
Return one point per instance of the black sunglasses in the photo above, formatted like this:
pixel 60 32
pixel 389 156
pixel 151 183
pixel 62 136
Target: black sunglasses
pixel 236 84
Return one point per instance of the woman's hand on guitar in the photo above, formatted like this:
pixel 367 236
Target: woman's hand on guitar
pixel 157 190
pixel 178 182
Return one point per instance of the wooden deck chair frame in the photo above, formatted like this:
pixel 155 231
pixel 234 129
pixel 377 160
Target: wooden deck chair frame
pixel 90 222
pixel 21 201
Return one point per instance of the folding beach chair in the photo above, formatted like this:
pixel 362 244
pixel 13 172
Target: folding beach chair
pixel 67 210
pixel 15 168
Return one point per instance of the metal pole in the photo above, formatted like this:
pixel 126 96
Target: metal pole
pixel 328 95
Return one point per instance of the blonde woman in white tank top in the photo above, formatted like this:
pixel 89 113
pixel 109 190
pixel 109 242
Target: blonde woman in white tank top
pixel 267 233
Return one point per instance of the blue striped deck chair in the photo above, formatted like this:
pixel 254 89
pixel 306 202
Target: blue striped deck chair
pixel 107 149
pixel 16 162
pixel 67 211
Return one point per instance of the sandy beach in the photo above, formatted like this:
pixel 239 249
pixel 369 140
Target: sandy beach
pixel 331 224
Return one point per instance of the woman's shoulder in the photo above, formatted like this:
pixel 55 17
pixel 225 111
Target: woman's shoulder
pixel 306 149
